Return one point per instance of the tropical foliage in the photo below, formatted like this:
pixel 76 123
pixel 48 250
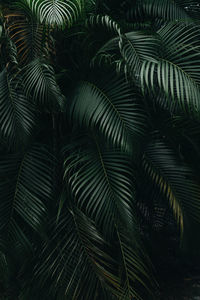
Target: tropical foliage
pixel 99 129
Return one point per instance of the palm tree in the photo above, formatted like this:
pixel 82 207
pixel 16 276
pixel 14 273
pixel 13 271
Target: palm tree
pixel 99 125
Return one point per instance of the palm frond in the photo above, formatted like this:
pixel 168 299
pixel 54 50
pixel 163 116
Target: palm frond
pixel 16 113
pixel 110 106
pixel 99 181
pixel 179 88
pixel 165 10
pixel 176 181
pixel 56 13
pixel 40 85
pixel 176 72
pixel 181 46
pixel 134 270
pixel 26 184
pixel 135 48
pixel 77 258
pixel 31 38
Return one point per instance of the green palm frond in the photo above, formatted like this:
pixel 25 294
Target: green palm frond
pixel 78 259
pixel 135 48
pixel 177 72
pixel 181 46
pixel 31 38
pixel 111 106
pixel 26 186
pixel 56 13
pixel 17 116
pixel 99 179
pixel 40 85
pixel 166 10
pixel 176 181
pixel 134 267
pixel 105 22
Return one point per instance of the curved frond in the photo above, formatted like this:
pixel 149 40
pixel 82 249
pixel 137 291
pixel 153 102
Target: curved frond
pixel 31 38
pixel 135 48
pixel 105 22
pixel 78 259
pixel 25 186
pixel 178 87
pixel 134 267
pixel 99 179
pixel 175 180
pixel 40 85
pixel 181 46
pixel 56 13
pixel 177 71
pixel 110 106
pixel 166 10
pixel 16 113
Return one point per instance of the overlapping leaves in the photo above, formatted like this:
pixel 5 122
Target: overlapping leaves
pixel 16 114
pixel 40 85
pixel 177 70
pixel 110 106
pixel 176 181
pixel 26 184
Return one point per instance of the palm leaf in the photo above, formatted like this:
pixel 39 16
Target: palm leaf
pixel 134 49
pixel 32 39
pixel 40 85
pixel 56 13
pixel 110 106
pixel 99 180
pixel 165 10
pixel 177 72
pixel 133 268
pixel 78 259
pixel 175 180
pixel 16 114
pixel 26 184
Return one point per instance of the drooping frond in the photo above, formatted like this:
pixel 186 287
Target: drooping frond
pixel 175 180
pixel 136 47
pixel 40 85
pixel 78 259
pixel 99 181
pixel 134 267
pixel 31 38
pixel 106 23
pixel 109 105
pixel 26 188
pixel 56 13
pixel 16 113
pixel 165 10
pixel 177 71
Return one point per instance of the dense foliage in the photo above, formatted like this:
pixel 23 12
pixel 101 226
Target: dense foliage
pixel 100 148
